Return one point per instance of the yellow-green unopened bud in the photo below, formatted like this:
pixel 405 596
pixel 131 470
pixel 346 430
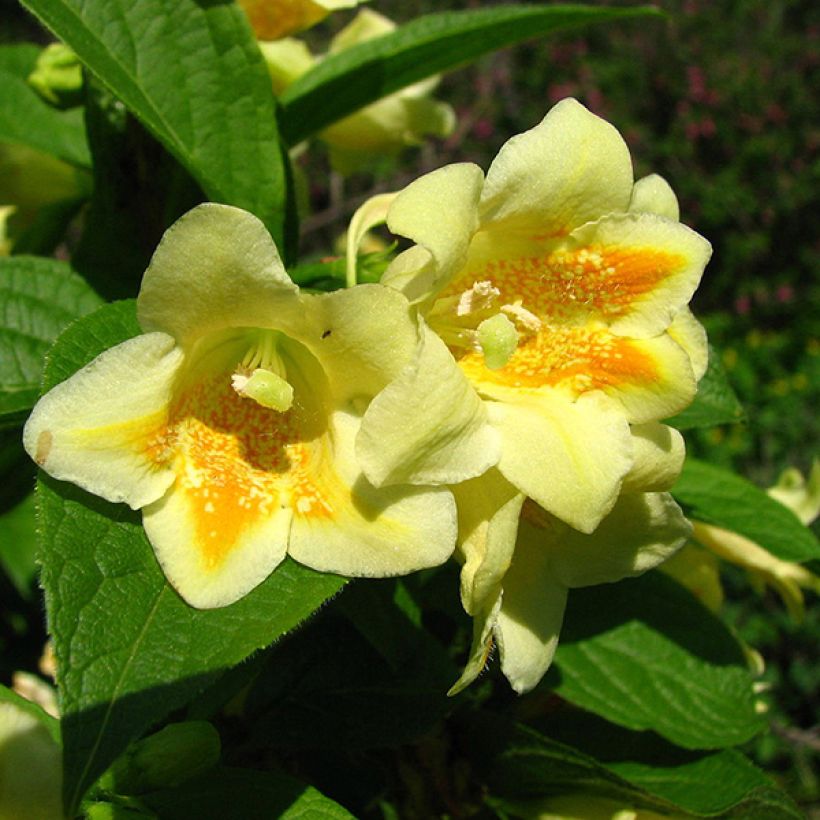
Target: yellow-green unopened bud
pixel 169 757
pixel 58 76
pixel 498 339
pixel 269 390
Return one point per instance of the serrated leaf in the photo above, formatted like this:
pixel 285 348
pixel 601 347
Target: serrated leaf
pixel 193 74
pixel 251 795
pixel 25 118
pixel 645 654
pixel 128 649
pixel 702 784
pixel 39 298
pixel 368 680
pixel 720 497
pixel 344 82
pixel 715 402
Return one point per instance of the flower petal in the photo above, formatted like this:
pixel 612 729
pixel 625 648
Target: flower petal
pixel 361 530
pixel 636 270
pixel 363 336
pixel 571 168
pixel 689 333
pixel 532 611
pixel 488 510
pixel 427 426
pixel 653 195
pixel 658 452
pixel 216 267
pixel 642 531
pixel 214 567
pixel 99 428
pixel 570 457
pixel 438 211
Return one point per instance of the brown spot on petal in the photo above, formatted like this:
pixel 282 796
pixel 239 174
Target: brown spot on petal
pixel 44 442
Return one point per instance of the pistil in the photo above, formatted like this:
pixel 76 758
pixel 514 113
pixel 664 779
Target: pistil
pixel 262 375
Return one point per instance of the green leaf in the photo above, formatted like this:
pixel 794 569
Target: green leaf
pixel 39 298
pixel 645 654
pixel 251 795
pixel 193 74
pixel 703 784
pixel 128 648
pixel 715 402
pixel 720 497
pixel 368 680
pixel 345 82
pixel 17 545
pixel 25 118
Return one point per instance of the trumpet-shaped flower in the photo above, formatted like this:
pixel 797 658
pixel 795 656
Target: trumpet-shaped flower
pixel 382 128
pixel 519 561
pixel 232 421
pixel 272 19
pixel 561 288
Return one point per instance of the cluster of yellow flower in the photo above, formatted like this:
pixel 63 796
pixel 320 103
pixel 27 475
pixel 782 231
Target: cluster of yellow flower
pixel 496 398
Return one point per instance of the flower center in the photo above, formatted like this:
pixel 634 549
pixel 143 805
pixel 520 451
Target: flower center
pixel 476 320
pixel 262 375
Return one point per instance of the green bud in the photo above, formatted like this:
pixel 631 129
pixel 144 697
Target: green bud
pixel 498 339
pixel 58 76
pixel 169 757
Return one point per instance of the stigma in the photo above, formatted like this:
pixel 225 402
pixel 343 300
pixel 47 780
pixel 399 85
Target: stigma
pixel 262 375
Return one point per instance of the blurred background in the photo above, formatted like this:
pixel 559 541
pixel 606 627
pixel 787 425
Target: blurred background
pixel 720 99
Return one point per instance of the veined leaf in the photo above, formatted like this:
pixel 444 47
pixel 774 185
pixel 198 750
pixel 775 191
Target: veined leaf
pixel 39 298
pixel 720 497
pixel 129 650
pixel 645 654
pixel 26 118
pixel 715 402
pixel 193 74
pixel 345 82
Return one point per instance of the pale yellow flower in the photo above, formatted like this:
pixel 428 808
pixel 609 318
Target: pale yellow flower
pixel 272 19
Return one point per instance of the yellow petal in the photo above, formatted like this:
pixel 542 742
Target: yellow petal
pixel 531 614
pixel 697 570
pixel 438 211
pixel 216 267
pixel 653 195
pixel 658 453
pixel 428 425
pixel 372 213
pixel 102 428
pixel 287 60
pixel 571 168
pixel 570 457
pixel 271 19
pixel 800 496
pixel 689 333
pixel 642 531
pixel 356 529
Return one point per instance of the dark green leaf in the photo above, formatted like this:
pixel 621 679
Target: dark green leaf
pixel 715 402
pixel 252 795
pixel 25 118
pixel 372 680
pixel 129 649
pixel 645 654
pixel 39 298
pixel 704 784
pixel 193 74
pixel 720 497
pixel 345 82
pixel 18 545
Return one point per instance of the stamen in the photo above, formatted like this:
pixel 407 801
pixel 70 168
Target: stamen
pixel 261 375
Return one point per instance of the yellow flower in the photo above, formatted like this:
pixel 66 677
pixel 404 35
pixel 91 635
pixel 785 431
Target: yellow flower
pixel 382 128
pixel 272 19
pixel 232 422
pixel 561 287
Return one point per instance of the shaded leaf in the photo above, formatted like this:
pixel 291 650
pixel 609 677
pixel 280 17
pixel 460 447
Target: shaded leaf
pixel 25 118
pixel 646 654
pixel 193 74
pixel 720 497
